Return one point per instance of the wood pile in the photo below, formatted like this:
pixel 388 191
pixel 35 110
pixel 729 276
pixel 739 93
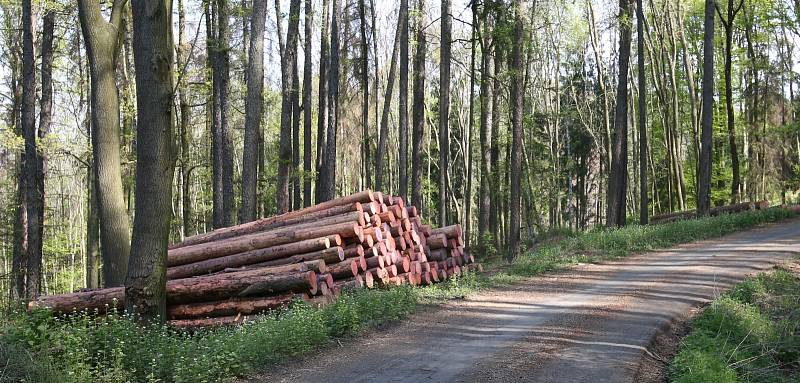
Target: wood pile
pixel 726 209
pixel 364 240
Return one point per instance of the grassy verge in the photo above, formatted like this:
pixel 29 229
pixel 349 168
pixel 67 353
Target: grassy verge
pixel 751 334
pixel 39 348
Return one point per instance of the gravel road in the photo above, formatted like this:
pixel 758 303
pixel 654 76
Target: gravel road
pixel 611 322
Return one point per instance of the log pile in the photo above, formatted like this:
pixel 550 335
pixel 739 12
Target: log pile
pixel 726 209
pixel 364 240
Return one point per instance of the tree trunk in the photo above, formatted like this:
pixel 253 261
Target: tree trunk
pixel 101 39
pixel 704 178
pixel 307 106
pixel 322 118
pixel 643 198
pixel 728 26
pixel 34 201
pixel 516 134
pixel 296 197
pixel 145 290
pixel 618 179
pixel 253 112
pixel 487 72
pixel 380 153
pixel 328 185
pixel 444 109
pixel 402 133
pixel 184 126
pixel 288 67
pixel 364 62
pixel 92 230
pixel 224 206
pixel 418 112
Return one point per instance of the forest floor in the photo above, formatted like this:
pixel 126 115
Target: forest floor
pixel 615 321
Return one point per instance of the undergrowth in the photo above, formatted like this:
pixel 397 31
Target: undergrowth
pixel 750 334
pixel 116 348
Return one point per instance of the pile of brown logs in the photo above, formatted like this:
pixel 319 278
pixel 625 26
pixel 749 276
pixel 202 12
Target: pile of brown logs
pixel 726 209
pixel 367 239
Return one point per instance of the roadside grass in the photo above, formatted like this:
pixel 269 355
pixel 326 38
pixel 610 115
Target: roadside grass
pixel 750 334
pixel 116 348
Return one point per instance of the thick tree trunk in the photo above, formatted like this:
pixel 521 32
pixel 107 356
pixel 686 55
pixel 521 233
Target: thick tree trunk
pixel 418 112
pixel 704 178
pixel 618 179
pixel 380 153
pixel 444 110
pixel 307 171
pixel 101 39
pixel 145 290
pixel 328 184
pixel 322 117
pixel 288 67
pixel 516 133
pixel 643 199
pixel 92 231
pixel 402 132
pixel 253 112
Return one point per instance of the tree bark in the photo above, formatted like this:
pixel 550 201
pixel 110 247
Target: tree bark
pixel 364 62
pixel 444 109
pixel 224 206
pixel 322 118
pixel 643 198
pixel 102 47
pixel 516 134
pixel 618 179
pixel 145 290
pixel 402 133
pixel 184 126
pixel 295 172
pixel 418 112
pixel 288 67
pixel 307 106
pixel 253 111
pixel 34 201
pixel 704 178
pixel 328 184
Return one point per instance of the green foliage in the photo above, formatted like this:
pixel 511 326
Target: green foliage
pixel 749 335
pixel 116 348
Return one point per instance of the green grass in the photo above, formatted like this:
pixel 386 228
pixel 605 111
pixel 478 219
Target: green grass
pixel 751 334
pixel 603 244
pixel 115 348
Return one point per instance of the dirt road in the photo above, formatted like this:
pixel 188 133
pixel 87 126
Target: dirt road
pixel 611 322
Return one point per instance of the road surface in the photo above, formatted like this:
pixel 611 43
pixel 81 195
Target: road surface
pixel 610 322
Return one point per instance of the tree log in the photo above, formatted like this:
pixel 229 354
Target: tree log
pixel 331 255
pixel 195 253
pixel 230 307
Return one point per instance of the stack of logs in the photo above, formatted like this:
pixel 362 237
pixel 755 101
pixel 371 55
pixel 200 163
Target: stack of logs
pixel 367 239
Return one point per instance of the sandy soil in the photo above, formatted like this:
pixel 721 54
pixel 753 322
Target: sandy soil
pixel 612 322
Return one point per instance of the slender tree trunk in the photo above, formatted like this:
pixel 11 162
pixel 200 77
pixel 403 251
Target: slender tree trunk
pixel 516 134
pixel 380 153
pixel 467 221
pixel 223 78
pixel 704 178
pixel 487 72
pixel 643 199
pixel 322 118
pixel 328 184
pixel 34 202
pixel 288 67
pixel 494 148
pixel 444 109
pixel 618 179
pixel 145 285
pixel 185 123
pixel 101 38
pixel 418 111
pixel 296 197
pixel 253 111
pixel 728 26
pixel 402 141
pixel 364 61
pixel 307 106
